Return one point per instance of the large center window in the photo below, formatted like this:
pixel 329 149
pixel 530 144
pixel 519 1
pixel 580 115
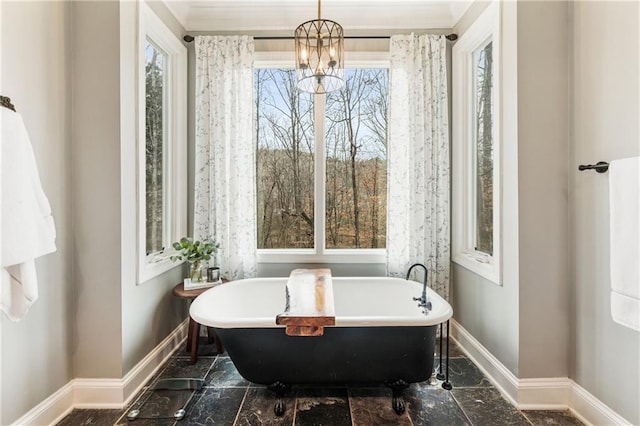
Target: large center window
pixel 321 166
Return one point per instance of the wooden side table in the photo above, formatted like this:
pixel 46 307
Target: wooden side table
pixel 194 327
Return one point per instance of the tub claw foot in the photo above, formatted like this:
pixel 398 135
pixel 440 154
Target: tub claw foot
pixel 279 407
pixel 398 405
pixel 280 389
pixel 397 389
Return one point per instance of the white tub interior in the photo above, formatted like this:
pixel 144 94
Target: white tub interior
pixel 371 301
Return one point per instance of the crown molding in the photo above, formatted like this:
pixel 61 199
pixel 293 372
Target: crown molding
pixel 286 15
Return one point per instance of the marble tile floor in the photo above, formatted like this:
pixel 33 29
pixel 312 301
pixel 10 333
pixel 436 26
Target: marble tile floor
pixel 228 399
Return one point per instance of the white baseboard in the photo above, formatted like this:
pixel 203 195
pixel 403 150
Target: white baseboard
pixel 544 394
pixel 496 372
pixel 590 409
pixel 51 410
pixel 98 393
pixel 103 393
pixel 136 378
pixel 556 393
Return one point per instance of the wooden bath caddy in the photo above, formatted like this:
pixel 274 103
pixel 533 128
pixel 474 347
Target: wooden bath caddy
pixel 309 303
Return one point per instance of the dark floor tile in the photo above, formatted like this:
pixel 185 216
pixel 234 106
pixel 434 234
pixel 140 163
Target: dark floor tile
pixel 257 409
pixel 215 407
pixel 433 407
pixel 485 406
pixel 372 406
pixel 223 374
pixel 90 417
pixel 322 407
pixel 181 367
pixel 464 373
pixel 256 385
pixel 552 418
pixel 454 349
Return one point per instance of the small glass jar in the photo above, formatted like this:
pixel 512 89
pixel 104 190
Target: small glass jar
pixel 213 274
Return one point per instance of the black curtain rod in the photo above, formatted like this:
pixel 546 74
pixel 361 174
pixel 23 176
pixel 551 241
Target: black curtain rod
pixel 451 37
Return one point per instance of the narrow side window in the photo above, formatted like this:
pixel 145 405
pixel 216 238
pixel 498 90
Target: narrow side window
pixel 476 147
pixel 162 116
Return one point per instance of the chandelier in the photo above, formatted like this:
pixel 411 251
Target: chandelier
pixel 319 47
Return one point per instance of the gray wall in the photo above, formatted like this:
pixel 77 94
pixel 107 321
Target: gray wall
pixel 36 352
pixel 96 189
pixel 543 149
pixel 604 123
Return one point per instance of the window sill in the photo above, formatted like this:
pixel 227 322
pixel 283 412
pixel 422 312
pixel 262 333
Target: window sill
pixel 152 268
pixel 480 264
pixel 328 256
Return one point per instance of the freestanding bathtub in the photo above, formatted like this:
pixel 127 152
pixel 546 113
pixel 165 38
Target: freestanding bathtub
pixel 381 335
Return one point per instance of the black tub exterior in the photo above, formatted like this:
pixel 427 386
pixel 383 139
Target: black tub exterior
pixel 343 355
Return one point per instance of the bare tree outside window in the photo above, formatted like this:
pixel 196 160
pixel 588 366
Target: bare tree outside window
pixel 156 61
pixel 356 168
pixel 356 150
pixel 484 149
pixel 285 161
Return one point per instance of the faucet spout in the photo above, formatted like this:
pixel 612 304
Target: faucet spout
pixel 424 303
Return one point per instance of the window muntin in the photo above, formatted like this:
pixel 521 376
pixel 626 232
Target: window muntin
pixel 483 139
pixel 326 146
pixel 155 119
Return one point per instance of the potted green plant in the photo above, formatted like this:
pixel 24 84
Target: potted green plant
pixel 194 252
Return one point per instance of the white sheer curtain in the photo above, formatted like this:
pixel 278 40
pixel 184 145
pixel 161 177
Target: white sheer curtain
pixel 225 202
pixel 418 150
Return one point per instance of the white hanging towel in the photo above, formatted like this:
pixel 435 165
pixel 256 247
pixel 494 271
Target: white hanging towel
pixel 624 217
pixel 28 230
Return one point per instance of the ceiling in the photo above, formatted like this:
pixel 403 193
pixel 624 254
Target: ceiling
pixel 286 15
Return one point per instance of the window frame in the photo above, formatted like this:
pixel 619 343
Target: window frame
pixel 485 28
pixel 174 150
pixel 320 254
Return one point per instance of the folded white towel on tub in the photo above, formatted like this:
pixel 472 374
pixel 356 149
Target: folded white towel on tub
pixel 624 217
pixel 28 229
